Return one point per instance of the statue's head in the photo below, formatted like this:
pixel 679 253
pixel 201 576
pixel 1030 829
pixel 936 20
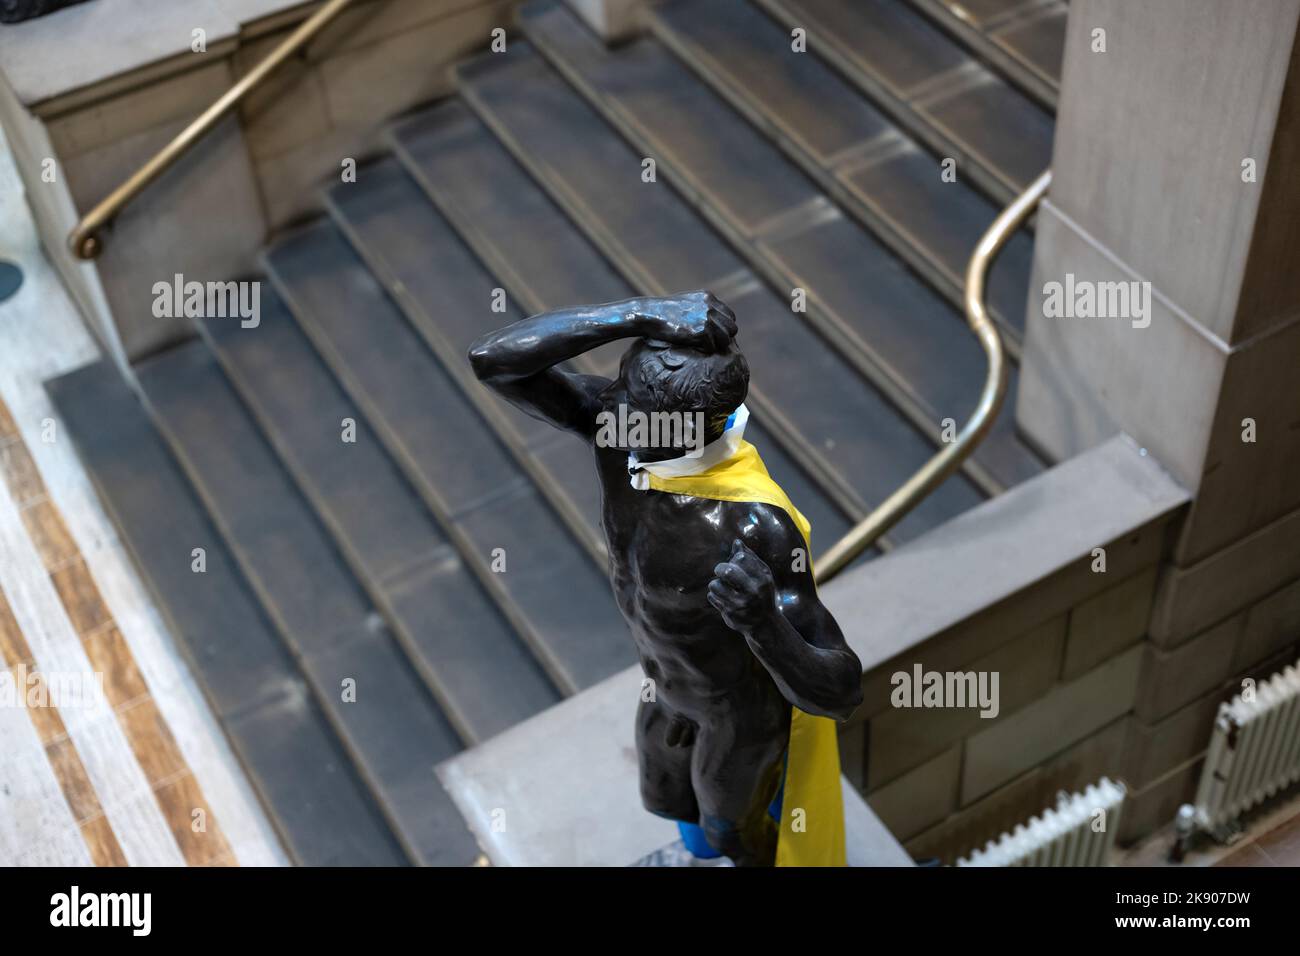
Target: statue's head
pixel 707 386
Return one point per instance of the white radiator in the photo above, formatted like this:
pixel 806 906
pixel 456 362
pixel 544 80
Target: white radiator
pixel 1254 751
pixel 1079 832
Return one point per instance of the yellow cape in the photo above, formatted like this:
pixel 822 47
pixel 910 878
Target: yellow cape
pixel 812 809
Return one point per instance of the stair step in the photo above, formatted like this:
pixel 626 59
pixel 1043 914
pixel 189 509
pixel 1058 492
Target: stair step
pixel 930 85
pixel 1023 39
pixel 485 679
pixel 516 228
pixel 551 589
pixel 863 160
pixel 887 318
pixel 584 164
pixel 449 298
pixel 938 362
pixel 394 730
pixel 323 813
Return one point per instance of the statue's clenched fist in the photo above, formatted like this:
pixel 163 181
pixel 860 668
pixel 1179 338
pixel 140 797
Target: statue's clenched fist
pixel 742 590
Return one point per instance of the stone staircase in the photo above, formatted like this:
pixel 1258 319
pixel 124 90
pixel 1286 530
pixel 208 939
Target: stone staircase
pixel 360 611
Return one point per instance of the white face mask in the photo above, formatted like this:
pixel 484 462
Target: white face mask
pixel 723 447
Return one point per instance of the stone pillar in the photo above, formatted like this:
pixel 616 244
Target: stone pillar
pixel 1175 162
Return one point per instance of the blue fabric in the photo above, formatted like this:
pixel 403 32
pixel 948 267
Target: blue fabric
pixel 693 837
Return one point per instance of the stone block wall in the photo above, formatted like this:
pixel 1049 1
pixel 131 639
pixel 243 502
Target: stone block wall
pixel 1089 686
pixel 1050 587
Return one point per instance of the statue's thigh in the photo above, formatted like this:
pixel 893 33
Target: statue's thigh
pixel 734 780
pixel 665 770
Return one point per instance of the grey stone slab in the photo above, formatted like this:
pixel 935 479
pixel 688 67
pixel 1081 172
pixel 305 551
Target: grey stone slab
pixel 1102 626
pixel 921 797
pixel 1271 624
pixel 1206 84
pixel 95 42
pixel 481 673
pixel 455 460
pixel 1048 597
pixel 1067 714
pixel 794 94
pixel 571 150
pixel 900 739
pixel 321 810
pixel 697 139
pixel 998 127
pixel 947 219
pixel 1207 592
pixel 305 586
pixel 1155 805
pixel 1153 749
pixel 1002 810
pixel 565 783
pixel 1171 678
pixel 973 569
pixel 1257 384
pixel 1084 379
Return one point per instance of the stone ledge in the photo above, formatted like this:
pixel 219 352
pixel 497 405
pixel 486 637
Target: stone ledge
pixel 999 548
pixel 52 58
pixel 562 790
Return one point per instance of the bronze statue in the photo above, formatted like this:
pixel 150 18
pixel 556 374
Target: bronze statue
pixel 709 564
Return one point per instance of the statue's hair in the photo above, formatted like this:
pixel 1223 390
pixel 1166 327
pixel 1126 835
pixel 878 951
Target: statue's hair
pixel 684 380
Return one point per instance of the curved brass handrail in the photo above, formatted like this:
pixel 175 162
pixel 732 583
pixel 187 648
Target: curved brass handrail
pixel 890 511
pixel 84 240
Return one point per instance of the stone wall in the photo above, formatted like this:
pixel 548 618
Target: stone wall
pixel 1096 676
pixel 1051 587
pixel 1176 144
pixel 102 92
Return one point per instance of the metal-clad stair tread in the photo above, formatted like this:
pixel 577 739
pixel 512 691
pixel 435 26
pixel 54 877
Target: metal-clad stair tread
pixel 321 809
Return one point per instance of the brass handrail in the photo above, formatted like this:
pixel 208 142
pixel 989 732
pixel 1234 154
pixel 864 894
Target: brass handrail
pixel 84 240
pixel 890 511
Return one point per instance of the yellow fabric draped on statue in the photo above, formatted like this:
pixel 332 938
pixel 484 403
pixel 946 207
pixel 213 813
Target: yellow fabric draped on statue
pixel 812 808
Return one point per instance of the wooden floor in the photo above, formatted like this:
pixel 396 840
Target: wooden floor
pixel 140 774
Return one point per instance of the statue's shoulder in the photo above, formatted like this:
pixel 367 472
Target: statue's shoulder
pixel 767 529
